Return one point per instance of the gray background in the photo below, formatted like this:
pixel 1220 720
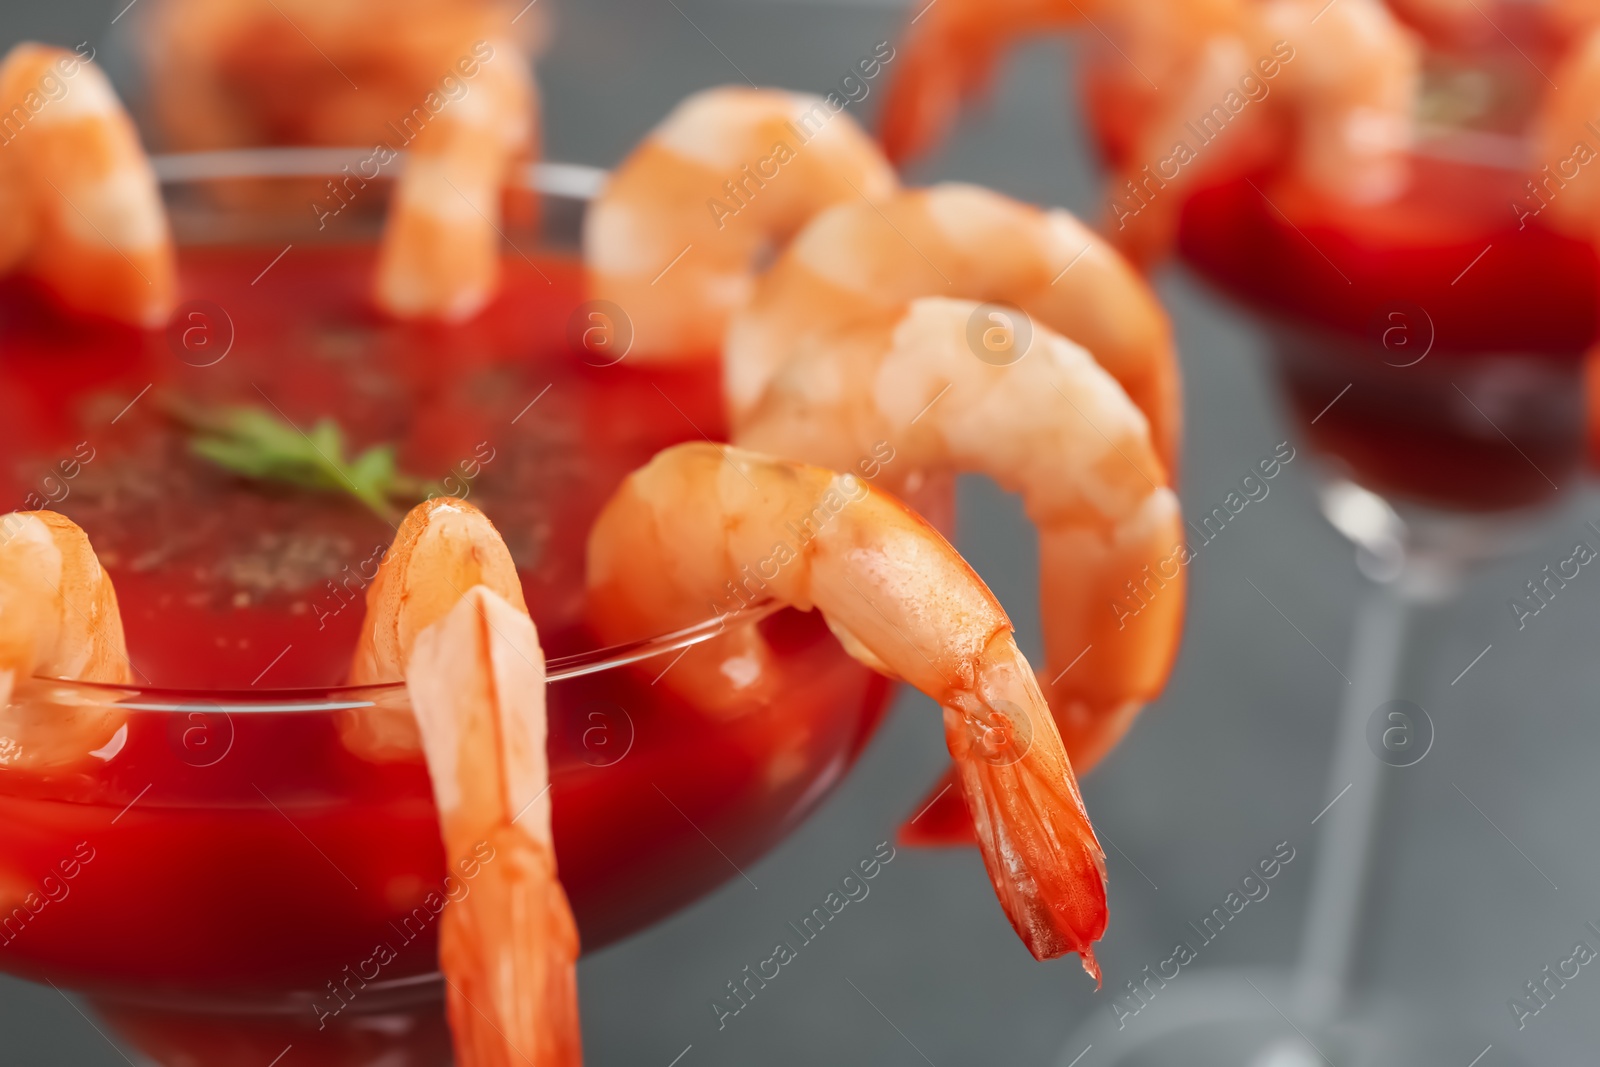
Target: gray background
pixel 1230 761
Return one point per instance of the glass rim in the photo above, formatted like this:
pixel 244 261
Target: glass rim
pixel 343 697
pixel 570 181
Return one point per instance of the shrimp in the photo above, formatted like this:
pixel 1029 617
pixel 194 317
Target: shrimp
pixel 58 619
pixel 680 532
pixel 440 252
pixel 509 948
pixel 1326 93
pixel 676 235
pixel 94 232
pixel 446 614
pixel 1053 426
pixel 443 547
pixel 308 72
pixel 1563 137
pixel 862 263
pixel 949 57
pixel 1325 90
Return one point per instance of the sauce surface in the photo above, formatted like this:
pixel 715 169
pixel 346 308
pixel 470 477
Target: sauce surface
pixel 232 583
pixel 250 857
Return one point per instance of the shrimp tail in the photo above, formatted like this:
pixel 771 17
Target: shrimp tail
pixel 941 819
pixel 950 60
pixel 902 602
pixel 508 944
pixel 937 76
pixel 1046 865
pixel 531 1004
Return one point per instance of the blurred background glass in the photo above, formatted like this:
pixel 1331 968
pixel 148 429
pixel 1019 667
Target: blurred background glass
pixel 1232 760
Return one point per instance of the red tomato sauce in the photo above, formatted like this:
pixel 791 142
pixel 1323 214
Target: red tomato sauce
pixel 249 856
pixel 1430 346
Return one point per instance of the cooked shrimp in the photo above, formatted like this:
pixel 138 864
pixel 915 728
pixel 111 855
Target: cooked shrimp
pixel 446 613
pixel 698 518
pixel 443 548
pixel 440 254
pixel 1054 427
pixel 509 948
pixel 58 619
pixel 676 236
pixel 860 263
pixel 948 59
pixel 1326 89
pixel 1352 88
pixel 1564 142
pixel 309 72
pixel 99 239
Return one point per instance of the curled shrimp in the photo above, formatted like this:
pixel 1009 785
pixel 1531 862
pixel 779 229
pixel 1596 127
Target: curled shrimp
pixel 1325 91
pixel 1053 426
pixel 676 235
pixel 443 547
pixel 847 267
pixel 440 252
pixel 446 613
pixel 58 619
pixel 1564 140
pixel 89 220
pixel 681 531
pixel 948 58
pixel 308 72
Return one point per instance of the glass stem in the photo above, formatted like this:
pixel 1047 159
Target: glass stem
pixel 1347 829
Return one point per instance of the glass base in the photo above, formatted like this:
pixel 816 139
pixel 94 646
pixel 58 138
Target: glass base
pixel 412 1036
pixel 1245 1018
pixel 1428 551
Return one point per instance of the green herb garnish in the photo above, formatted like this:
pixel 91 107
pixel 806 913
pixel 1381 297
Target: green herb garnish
pixel 256 443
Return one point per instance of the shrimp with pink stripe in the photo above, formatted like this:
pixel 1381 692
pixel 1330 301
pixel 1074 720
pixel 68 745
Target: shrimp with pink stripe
pixel 677 236
pixel 446 614
pixel 860 263
pixel 1325 91
pixel 680 531
pixel 58 619
pixel 1046 421
pixel 440 256
pixel 86 214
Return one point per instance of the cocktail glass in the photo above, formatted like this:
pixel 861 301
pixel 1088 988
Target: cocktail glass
pixel 1430 353
pixel 199 854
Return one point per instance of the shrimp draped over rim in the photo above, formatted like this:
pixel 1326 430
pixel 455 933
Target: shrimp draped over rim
pixel 680 531
pixel 1190 92
pixel 1047 422
pixel 446 614
pixel 676 237
pixel 83 211
pixel 58 619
